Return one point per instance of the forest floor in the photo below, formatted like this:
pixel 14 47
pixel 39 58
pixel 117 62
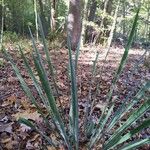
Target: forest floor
pixel 14 103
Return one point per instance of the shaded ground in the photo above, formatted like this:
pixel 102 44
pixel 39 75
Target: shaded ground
pixel 13 102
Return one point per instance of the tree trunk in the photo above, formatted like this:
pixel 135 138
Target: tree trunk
pixel 124 15
pixel 16 13
pixel 74 23
pixel 2 24
pixel 104 33
pixel 147 24
pixel 36 20
pixel 89 31
pixel 92 11
pixel 111 34
pixel 1 11
pixel 108 10
pixel 84 18
pixel 53 16
pixel 43 18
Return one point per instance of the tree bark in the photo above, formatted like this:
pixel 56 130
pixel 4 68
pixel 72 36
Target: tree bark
pixel 84 18
pixel 43 18
pixel 103 34
pixel 2 24
pixel 74 23
pixel 36 20
pixel 89 31
pixel 92 11
pixel 124 15
pixel 107 10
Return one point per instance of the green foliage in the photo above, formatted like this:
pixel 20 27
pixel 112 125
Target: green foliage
pixel 10 37
pixel 14 39
pixel 18 14
pixel 106 123
pixel 62 10
pixel 74 116
pixel 2 62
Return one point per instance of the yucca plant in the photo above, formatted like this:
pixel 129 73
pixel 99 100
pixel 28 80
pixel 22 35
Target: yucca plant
pixel 95 133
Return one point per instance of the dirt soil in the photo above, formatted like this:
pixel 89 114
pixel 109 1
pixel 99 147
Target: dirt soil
pixel 14 103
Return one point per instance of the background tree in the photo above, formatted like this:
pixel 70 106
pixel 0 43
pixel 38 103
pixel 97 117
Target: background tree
pixel 91 17
pixel 36 18
pixel 44 21
pixel 97 19
pixel 74 23
pixel 2 22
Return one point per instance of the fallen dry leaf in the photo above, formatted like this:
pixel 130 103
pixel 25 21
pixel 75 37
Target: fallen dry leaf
pixel 4 141
pixel 25 103
pixel 10 100
pixel 10 145
pixel 12 79
pixel 24 128
pixel 35 137
pixel 35 116
pixel 51 148
pixel 6 127
pixel 29 146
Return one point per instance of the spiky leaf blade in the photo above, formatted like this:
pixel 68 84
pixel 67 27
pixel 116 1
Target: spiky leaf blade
pixel 133 117
pixel 74 100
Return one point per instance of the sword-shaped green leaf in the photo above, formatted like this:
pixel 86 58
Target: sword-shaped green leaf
pixel 100 127
pixel 47 88
pixel 31 125
pixel 133 117
pixel 35 82
pixel 74 117
pixel 135 144
pixel 124 108
pixel 125 55
pixel 131 133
